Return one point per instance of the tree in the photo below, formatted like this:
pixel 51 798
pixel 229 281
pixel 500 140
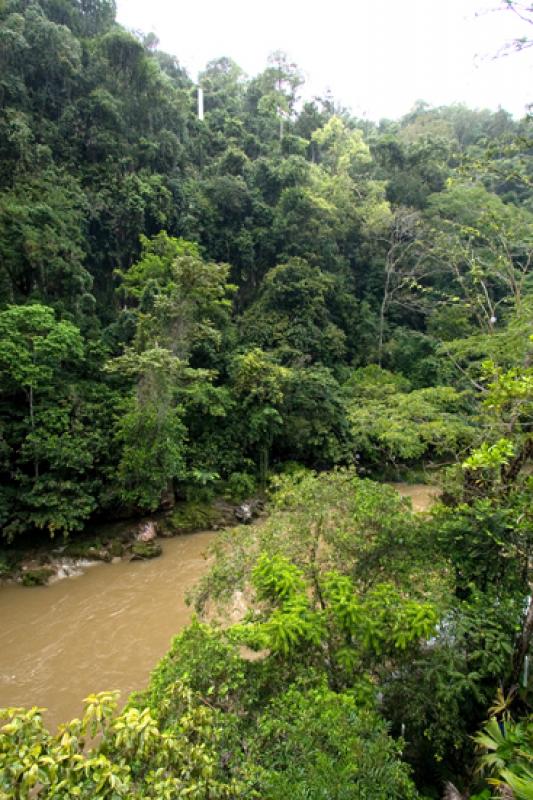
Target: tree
pixel 389 423
pixel 488 246
pixel 52 445
pixel 402 266
pixel 316 742
pixel 149 430
pixel 315 428
pixel 259 383
pixel 324 522
pixel 182 310
pixel 33 348
pixel 183 301
pixel 293 316
pixel 133 753
pixel 344 630
pixel 41 241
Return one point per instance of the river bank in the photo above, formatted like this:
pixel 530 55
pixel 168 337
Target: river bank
pixel 41 563
pixel 106 628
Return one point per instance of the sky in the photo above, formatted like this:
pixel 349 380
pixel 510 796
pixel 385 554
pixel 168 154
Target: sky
pixel 378 57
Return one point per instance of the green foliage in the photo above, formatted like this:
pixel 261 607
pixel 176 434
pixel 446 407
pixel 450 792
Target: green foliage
pixel 485 541
pixel 293 315
pixel 155 266
pixel 331 522
pixel 298 233
pixel 35 346
pixel 202 657
pixel 239 486
pixel 315 426
pixel 186 303
pixel 508 755
pixel 301 736
pixel 183 300
pixel 135 757
pixel 46 267
pixel 346 628
pixel 319 743
pixel 173 739
pixel 152 454
pixel 490 456
pixel 259 384
pixel 488 245
pixel 276 579
pixel 149 430
pixel 387 423
pixel 52 449
pixel 442 693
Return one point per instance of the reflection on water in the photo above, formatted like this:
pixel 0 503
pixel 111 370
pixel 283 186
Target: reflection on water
pixel 105 629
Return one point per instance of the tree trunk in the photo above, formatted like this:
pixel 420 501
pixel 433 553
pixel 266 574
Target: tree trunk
pixel 523 642
pixel 382 313
pixel 32 423
pixel 263 466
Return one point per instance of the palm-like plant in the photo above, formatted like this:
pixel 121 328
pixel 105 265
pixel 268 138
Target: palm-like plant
pixel 508 756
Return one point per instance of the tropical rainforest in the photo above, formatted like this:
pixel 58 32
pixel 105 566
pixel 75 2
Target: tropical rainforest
pixel 283 299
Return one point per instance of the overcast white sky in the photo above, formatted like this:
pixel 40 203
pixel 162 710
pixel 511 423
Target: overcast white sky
pixel 377 56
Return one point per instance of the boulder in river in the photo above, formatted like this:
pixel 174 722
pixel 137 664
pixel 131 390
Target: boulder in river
pixel 142 550
pixel 147 532
pixel 98 554
pixel 38 576
pixel 116 548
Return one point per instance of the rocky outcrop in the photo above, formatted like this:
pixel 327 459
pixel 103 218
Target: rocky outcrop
pixel 137 540
pixel 249 510
pixel 147 532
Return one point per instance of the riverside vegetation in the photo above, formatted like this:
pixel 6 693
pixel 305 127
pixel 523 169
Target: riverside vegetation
pixel 281 296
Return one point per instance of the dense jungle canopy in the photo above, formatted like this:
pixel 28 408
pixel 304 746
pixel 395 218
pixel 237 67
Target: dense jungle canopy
pixel 190 307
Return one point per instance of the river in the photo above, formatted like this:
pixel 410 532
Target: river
pixel 107 628
pixel 422 496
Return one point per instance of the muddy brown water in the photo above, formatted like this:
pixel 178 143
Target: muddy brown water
pixel 107 628
pixel 422 496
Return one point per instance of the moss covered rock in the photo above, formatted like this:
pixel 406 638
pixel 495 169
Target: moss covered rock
pixel 193 516
pixel 37 577
pixel 142 550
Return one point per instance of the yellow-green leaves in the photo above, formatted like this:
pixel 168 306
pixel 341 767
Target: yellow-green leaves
pixel 132 756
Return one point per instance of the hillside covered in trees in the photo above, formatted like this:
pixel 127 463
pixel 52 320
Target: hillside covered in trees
pixel 277 295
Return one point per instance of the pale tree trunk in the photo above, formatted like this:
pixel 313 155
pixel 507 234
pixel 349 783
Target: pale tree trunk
pixel 401 240
pixel 522 643
pixel 451 793
pixel 383 310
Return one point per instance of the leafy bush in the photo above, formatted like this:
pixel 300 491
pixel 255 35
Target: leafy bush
pixel 392 424
pixel 508 758
pixel 316 744
pixel 132 755
pixel 239 486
